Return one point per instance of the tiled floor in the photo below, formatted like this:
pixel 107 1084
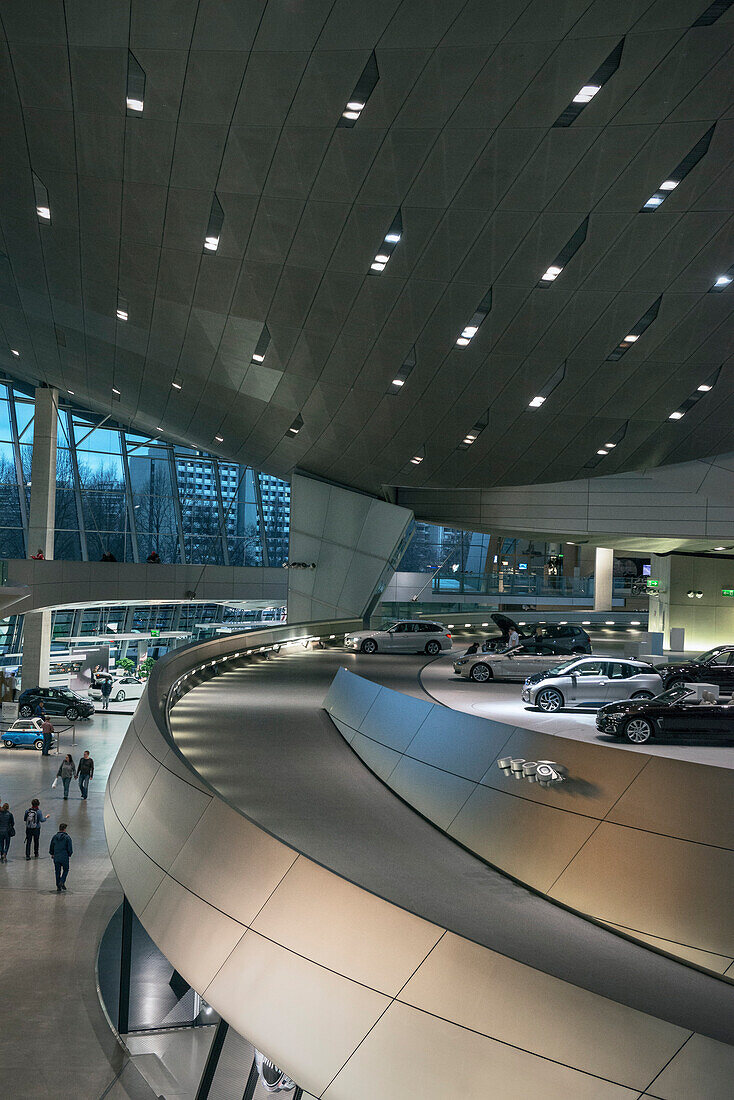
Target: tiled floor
pixel 55 1043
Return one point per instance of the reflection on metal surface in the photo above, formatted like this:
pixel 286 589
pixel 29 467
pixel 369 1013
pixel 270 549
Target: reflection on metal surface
pixel 273 1079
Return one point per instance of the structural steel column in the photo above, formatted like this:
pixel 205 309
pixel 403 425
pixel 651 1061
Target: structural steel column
pixel 603 578
pixel 41 524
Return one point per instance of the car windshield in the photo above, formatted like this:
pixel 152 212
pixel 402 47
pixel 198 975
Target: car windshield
pixel 559 670
pixel 66 693
pixel 704 658
pixel 674 694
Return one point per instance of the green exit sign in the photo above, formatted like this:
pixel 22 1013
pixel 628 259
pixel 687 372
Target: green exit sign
pixel 727 592
pixel 155 633
pixel 653 584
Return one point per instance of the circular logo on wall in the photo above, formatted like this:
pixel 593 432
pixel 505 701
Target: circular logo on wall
pixel 273 1079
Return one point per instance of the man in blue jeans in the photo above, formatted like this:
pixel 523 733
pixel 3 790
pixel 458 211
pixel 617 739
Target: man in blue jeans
pixel 60 850
pixel 84 772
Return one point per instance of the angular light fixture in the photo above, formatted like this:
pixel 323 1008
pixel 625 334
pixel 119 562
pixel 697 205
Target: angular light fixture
pixel 690 160
pixel 363 89
pixel 636 331
pixel 555 379
pixel 177 384
pixel 569 249
pixel 43 208
pixel 135 97
pixel 473 434
pixel 722 281
pixel 677 415
pixel 214 226
pixel 594 85
pixel 15 352
pixel 262 345
pixel 122 311
pixel 469 331
pixel 402 375
pixel 416 460
pixel 602 452
pixel 704 387
pixel 296 425
pixel 219 438
pixel 390 240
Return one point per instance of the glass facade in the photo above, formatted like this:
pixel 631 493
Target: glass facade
pixel 122 493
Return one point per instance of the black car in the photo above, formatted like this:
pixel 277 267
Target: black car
pixel 557 637
pixel 715 666
pixel 675 713
pixel 54 701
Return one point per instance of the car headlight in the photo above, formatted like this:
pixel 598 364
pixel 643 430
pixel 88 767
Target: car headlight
pixel 613 714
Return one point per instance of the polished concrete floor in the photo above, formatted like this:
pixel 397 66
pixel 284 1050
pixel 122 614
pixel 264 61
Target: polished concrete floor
pixel 502 702
pixel 259 736
pixel 55 1043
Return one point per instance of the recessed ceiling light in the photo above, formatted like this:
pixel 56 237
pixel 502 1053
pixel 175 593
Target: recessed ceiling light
pixel 723 280
pixel 719 548
pixel 680 172
pixel 462 341
pixel 470 330
pixel 552 273
pixel 398 382
pixel 176 385
pixel 677 415
pixel 122 315
pixel 392 238
pixel 351 114
pixel 44 213
pixel 600 452
pixel 71 392
pixel 134 104
pixel 15 352
pixel 704 387
pixel 609 445
pixel 416 460
pixel 587 93
pixel 115 390
pixel 668 185
pixel 257 357
pixel 381 258
pixel 211 244
pixel 377 266
pixel 630 339
pixel 361 93
pixel 219 438
pixel 536 402
pixel 355 105
pixel 654 200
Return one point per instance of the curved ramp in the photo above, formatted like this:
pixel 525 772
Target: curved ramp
pixel 339 981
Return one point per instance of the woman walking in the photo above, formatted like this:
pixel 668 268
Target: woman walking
pixel 67 771
pixel 7 830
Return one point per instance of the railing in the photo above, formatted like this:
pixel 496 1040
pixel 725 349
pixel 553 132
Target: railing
pixel 523 584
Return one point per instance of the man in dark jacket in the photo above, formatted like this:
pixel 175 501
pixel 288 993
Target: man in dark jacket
pixel 106 688
pixel 84 772
pixel 47 730
pixel 33 818
pixel 60 850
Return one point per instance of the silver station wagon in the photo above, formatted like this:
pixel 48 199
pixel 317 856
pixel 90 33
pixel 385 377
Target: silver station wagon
pixel 591 682
pixel 405 636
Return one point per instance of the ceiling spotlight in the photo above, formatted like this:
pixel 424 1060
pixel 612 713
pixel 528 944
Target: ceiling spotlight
pixel 552 273
pixel 654 200
pixel 381 258
pixel 115 390
pixel 719 548
pixel 159 429
pixel 392 238
pixel 416 460
pixel 602 452
pixel 351 114
pixel 44 213
pixel 630 339
pixel 610 445
pixel 462 341
pixel 219 438
pixel 176 385
pixel 704 387
pixel 361 93
pixel 377 266
pixel 668 185
pixel 71 392
pixel 723 280
pixel 587 93
pixel 122 315
pixel 296 425
pixel 536 402
pixel 211 244
pixel 134 104
pixel 135 91
pixel 470 330
pixel 15 352
pixel 398 382
pixel 257 357
pixel 677 415
pixel 355 105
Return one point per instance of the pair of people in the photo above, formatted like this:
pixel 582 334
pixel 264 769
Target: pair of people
pixel 33 818
pixel 68 771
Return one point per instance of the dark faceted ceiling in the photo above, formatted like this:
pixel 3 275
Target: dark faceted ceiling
pixel 239 137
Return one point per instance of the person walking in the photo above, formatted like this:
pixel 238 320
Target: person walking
pixel 33 818
pixel 106 688
pixel 60 850
pixel 7 830
pixel 48 731
pixel 66 773
pixel 84 772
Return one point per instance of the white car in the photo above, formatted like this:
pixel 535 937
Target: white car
pixel 512 664
pixel 405 636
pixel 123 687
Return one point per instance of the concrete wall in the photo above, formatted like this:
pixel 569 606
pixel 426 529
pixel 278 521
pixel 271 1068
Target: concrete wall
pixel 355 542
pixel 644 843
pixel 708 620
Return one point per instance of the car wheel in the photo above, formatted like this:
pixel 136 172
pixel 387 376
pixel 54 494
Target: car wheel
pixel 643 695
pixel 369 645
pixel 25 711
pixel 638 731
pixel 11 744
pixel 38 744
pixel 432 648
pixel 480 673
pixel 120 696
pixel 72 714
pixel 549 700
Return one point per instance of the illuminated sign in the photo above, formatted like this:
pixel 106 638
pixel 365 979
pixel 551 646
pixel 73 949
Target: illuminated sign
pixel 652 584
pixel 155 633
pixel 727 592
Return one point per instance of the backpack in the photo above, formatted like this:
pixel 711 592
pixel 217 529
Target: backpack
pixel 31 821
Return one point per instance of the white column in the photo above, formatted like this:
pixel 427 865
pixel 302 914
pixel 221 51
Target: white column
pixel 41 523
pixel 603 574
pixel 355 542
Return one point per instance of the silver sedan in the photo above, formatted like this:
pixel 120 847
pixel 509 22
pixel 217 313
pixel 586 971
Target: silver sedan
pixel 512 664
pixel 591 682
